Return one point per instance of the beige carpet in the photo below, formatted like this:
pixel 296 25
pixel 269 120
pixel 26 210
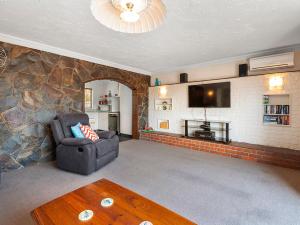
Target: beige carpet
pixel 206 188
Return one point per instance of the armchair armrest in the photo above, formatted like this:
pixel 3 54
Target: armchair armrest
pixel 106 134
pixel 76 155
pixel 76 141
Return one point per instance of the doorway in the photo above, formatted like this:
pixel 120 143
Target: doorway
pixel 109 106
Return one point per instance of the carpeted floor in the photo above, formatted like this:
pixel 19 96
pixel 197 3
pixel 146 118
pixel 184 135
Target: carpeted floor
pixel 206 188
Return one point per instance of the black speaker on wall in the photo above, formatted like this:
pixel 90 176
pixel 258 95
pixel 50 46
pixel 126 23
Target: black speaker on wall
pixel 243 70
pixel 183 78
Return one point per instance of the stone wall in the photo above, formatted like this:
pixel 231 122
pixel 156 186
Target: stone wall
pixel 35 86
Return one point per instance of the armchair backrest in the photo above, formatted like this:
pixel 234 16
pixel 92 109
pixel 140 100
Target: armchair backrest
pixel 70 119
pixel 61 126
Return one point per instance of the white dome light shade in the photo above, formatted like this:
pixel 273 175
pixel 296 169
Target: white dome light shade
pixel 141 16
pixel 130 17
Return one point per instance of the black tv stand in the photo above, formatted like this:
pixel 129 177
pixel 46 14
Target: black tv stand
pixel 212 130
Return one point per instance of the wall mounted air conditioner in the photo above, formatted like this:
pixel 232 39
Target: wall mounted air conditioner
pixel 272 61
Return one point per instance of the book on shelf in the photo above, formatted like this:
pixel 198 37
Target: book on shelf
pixel 276 109
pixel 277 119
pixel 284 120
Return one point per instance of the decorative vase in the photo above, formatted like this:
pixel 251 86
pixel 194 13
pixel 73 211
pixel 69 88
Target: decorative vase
pixel 157 83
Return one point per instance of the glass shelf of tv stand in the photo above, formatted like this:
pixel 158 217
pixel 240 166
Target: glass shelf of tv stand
pixel 211 128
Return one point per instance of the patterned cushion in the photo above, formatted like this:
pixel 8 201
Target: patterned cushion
pixel 88 132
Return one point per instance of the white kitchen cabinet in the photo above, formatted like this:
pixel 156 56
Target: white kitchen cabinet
pixel 103 120
pixel 94 120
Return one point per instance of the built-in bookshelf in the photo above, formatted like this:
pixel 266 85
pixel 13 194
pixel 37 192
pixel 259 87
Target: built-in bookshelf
pixel 276 110
pixel 163 104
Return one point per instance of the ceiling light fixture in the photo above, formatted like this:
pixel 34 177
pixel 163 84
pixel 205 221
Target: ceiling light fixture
pixel 129 16
pixel 130 9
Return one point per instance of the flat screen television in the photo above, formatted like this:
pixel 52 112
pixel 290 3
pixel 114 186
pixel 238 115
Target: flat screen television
pixel 216 95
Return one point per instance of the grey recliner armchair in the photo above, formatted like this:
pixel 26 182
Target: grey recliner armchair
pixel 81 155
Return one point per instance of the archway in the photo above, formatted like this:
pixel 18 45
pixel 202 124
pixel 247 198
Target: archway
pixel 113 112
pixel 138 83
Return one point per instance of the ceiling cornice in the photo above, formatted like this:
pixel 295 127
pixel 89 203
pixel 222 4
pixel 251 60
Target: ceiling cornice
pixel 64 52
pixel 240 58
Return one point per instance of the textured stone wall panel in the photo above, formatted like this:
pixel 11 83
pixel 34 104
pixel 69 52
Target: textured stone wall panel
pixel 35 86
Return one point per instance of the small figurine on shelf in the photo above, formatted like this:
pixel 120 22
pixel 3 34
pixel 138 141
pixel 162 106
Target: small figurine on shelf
pixel 109 93
pixel 266 100
pixel 164 107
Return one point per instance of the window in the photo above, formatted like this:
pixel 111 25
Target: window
pixel 88 98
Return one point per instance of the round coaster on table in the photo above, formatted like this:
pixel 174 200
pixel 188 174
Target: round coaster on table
pixel 85 215
pixel 107 202
pixel 146 223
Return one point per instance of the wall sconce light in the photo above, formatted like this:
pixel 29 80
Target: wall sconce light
pixel 276 83
pixel 163 92
pixel 210 93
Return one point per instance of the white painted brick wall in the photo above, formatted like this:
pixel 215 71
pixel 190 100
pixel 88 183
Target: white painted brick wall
pixel 245 114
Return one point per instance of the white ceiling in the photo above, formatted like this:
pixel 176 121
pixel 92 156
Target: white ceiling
pixel 195 31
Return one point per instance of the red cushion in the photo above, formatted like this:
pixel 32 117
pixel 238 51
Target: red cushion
pixel 88 132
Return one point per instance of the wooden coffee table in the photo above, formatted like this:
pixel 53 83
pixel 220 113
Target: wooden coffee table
pixel 128 208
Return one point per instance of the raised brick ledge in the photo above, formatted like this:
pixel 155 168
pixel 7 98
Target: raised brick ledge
pixel 270 155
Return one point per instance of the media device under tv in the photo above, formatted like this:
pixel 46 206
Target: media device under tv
pixel 215 95
pixel 210 135
pixel 205 132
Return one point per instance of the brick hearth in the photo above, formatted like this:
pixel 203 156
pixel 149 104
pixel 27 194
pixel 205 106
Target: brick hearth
pixel 264 154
